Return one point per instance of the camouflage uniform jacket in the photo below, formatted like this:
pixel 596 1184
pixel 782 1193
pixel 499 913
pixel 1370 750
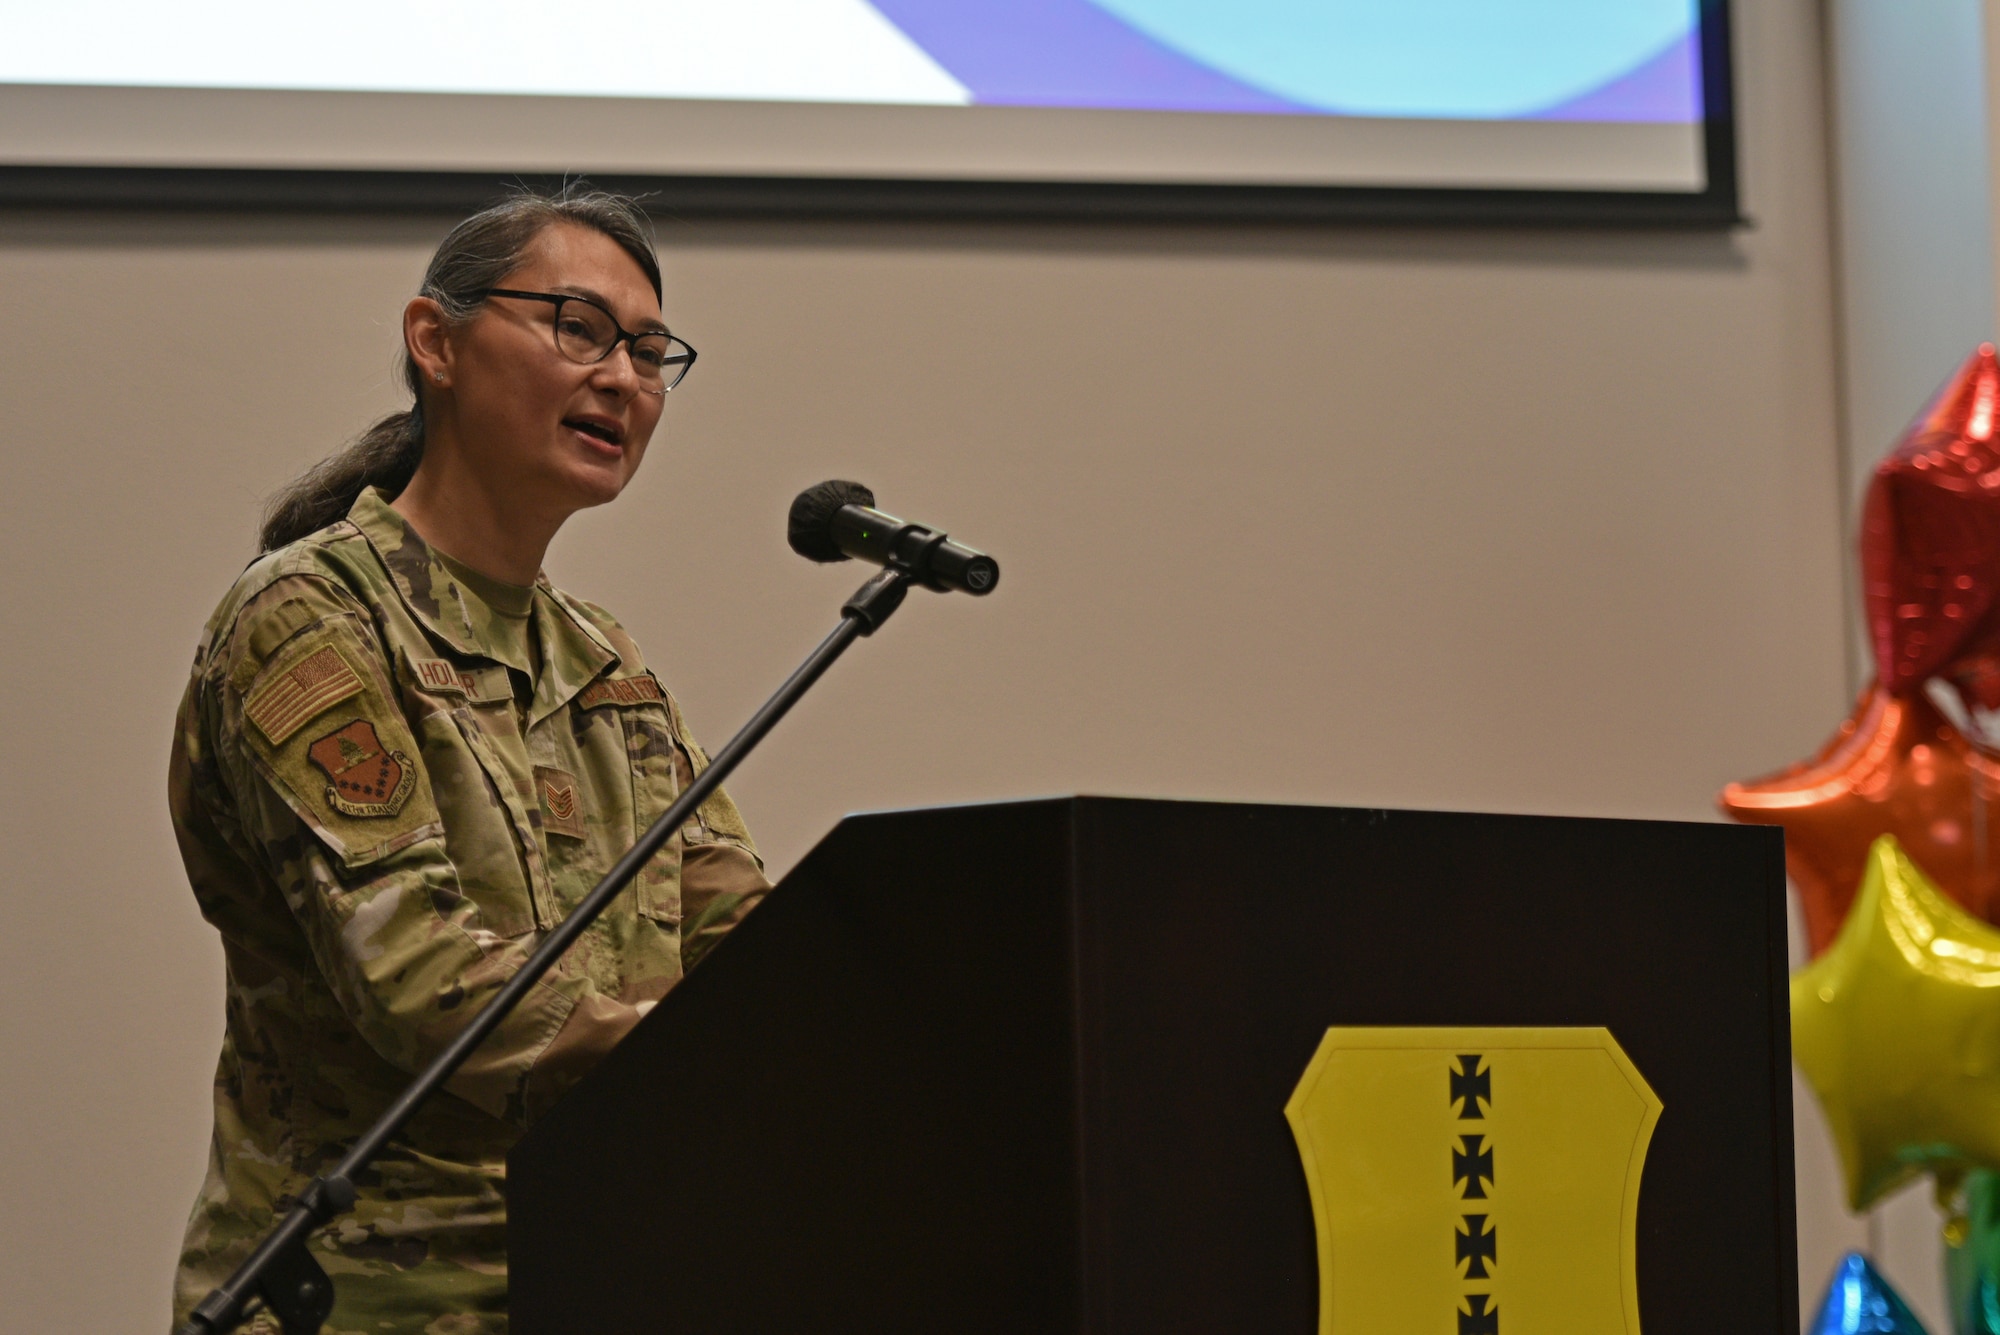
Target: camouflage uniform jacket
pixel 382 820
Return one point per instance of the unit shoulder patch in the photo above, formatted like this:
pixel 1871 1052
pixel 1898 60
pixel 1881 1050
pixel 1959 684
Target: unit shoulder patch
pixel 367 779
pixel 293 698
pixel 635 690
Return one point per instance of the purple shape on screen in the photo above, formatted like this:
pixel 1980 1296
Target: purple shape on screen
pixel 1066 53
pixel 1665 87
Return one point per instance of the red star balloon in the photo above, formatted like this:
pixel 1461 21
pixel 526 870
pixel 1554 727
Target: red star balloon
pixel 1896 767
pixel 1920 756
pixel 1930 543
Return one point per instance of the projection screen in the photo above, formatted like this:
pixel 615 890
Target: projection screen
pixel 1612 109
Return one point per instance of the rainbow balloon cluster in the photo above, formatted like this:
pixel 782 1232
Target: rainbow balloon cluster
pixel 1892 840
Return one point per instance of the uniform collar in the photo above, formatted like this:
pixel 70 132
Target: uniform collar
pixel 574 653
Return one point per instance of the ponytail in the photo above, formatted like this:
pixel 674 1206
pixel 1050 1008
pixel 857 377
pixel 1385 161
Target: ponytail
pixel 385 456
pixel 475 256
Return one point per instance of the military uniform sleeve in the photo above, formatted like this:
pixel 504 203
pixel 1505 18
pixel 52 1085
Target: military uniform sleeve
pixel 330 789
pixel 722 875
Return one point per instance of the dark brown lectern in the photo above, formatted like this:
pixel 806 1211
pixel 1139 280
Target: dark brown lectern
pixel 1023 1068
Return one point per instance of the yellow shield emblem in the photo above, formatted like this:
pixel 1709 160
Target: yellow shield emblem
pixel 1462 1177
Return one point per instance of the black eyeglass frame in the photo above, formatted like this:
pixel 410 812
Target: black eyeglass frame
pixel 624 336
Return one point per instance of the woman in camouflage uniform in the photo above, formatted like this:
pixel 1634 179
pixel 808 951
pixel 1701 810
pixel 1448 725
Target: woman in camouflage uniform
pixel 403 755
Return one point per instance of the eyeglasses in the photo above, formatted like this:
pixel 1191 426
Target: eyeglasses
pixel 586 334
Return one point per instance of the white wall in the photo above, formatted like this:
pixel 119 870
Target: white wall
pixel 1449 519
pixel 1914 212
pixel 1916 273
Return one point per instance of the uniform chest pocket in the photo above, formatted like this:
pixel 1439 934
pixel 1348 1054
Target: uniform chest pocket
pixel 628 719
pixel 477 762
pixel 659 774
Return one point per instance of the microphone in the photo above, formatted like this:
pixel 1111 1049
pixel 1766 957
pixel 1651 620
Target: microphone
pixel 836 520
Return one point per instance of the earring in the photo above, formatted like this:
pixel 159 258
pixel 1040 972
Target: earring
pixel 438 376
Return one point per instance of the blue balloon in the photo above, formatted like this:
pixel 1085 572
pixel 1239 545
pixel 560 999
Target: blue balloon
pixel 1860 1302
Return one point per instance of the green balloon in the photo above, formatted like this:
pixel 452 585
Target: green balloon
pixel 1972 1269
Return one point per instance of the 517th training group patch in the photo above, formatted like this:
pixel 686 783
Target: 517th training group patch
pixel 368 779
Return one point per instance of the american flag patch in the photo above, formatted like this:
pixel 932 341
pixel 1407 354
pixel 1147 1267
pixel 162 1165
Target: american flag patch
pixel 638 690
pixel 295 697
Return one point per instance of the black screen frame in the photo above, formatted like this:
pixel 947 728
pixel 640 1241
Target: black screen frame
pixel 342 191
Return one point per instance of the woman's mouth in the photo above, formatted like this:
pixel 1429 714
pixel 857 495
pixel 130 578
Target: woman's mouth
pixel 602 434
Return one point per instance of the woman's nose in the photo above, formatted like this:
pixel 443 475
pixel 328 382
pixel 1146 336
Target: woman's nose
pixel 617 366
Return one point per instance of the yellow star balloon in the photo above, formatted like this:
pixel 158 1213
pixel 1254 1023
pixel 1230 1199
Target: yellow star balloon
pixel 1897 1026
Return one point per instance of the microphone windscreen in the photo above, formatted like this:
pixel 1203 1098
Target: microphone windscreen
pixel 810 527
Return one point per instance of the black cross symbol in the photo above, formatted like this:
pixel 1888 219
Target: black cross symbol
pixel 1470 1084
pixel 1477 1244
pixel 1479 1321
pixel 1471 1164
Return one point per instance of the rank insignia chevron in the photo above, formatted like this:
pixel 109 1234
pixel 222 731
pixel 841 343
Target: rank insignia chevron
pixel 562 813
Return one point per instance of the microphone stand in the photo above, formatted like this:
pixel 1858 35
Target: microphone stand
pixel 281 1274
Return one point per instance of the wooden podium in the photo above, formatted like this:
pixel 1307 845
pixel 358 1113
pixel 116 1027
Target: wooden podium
pixel 1024 1068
